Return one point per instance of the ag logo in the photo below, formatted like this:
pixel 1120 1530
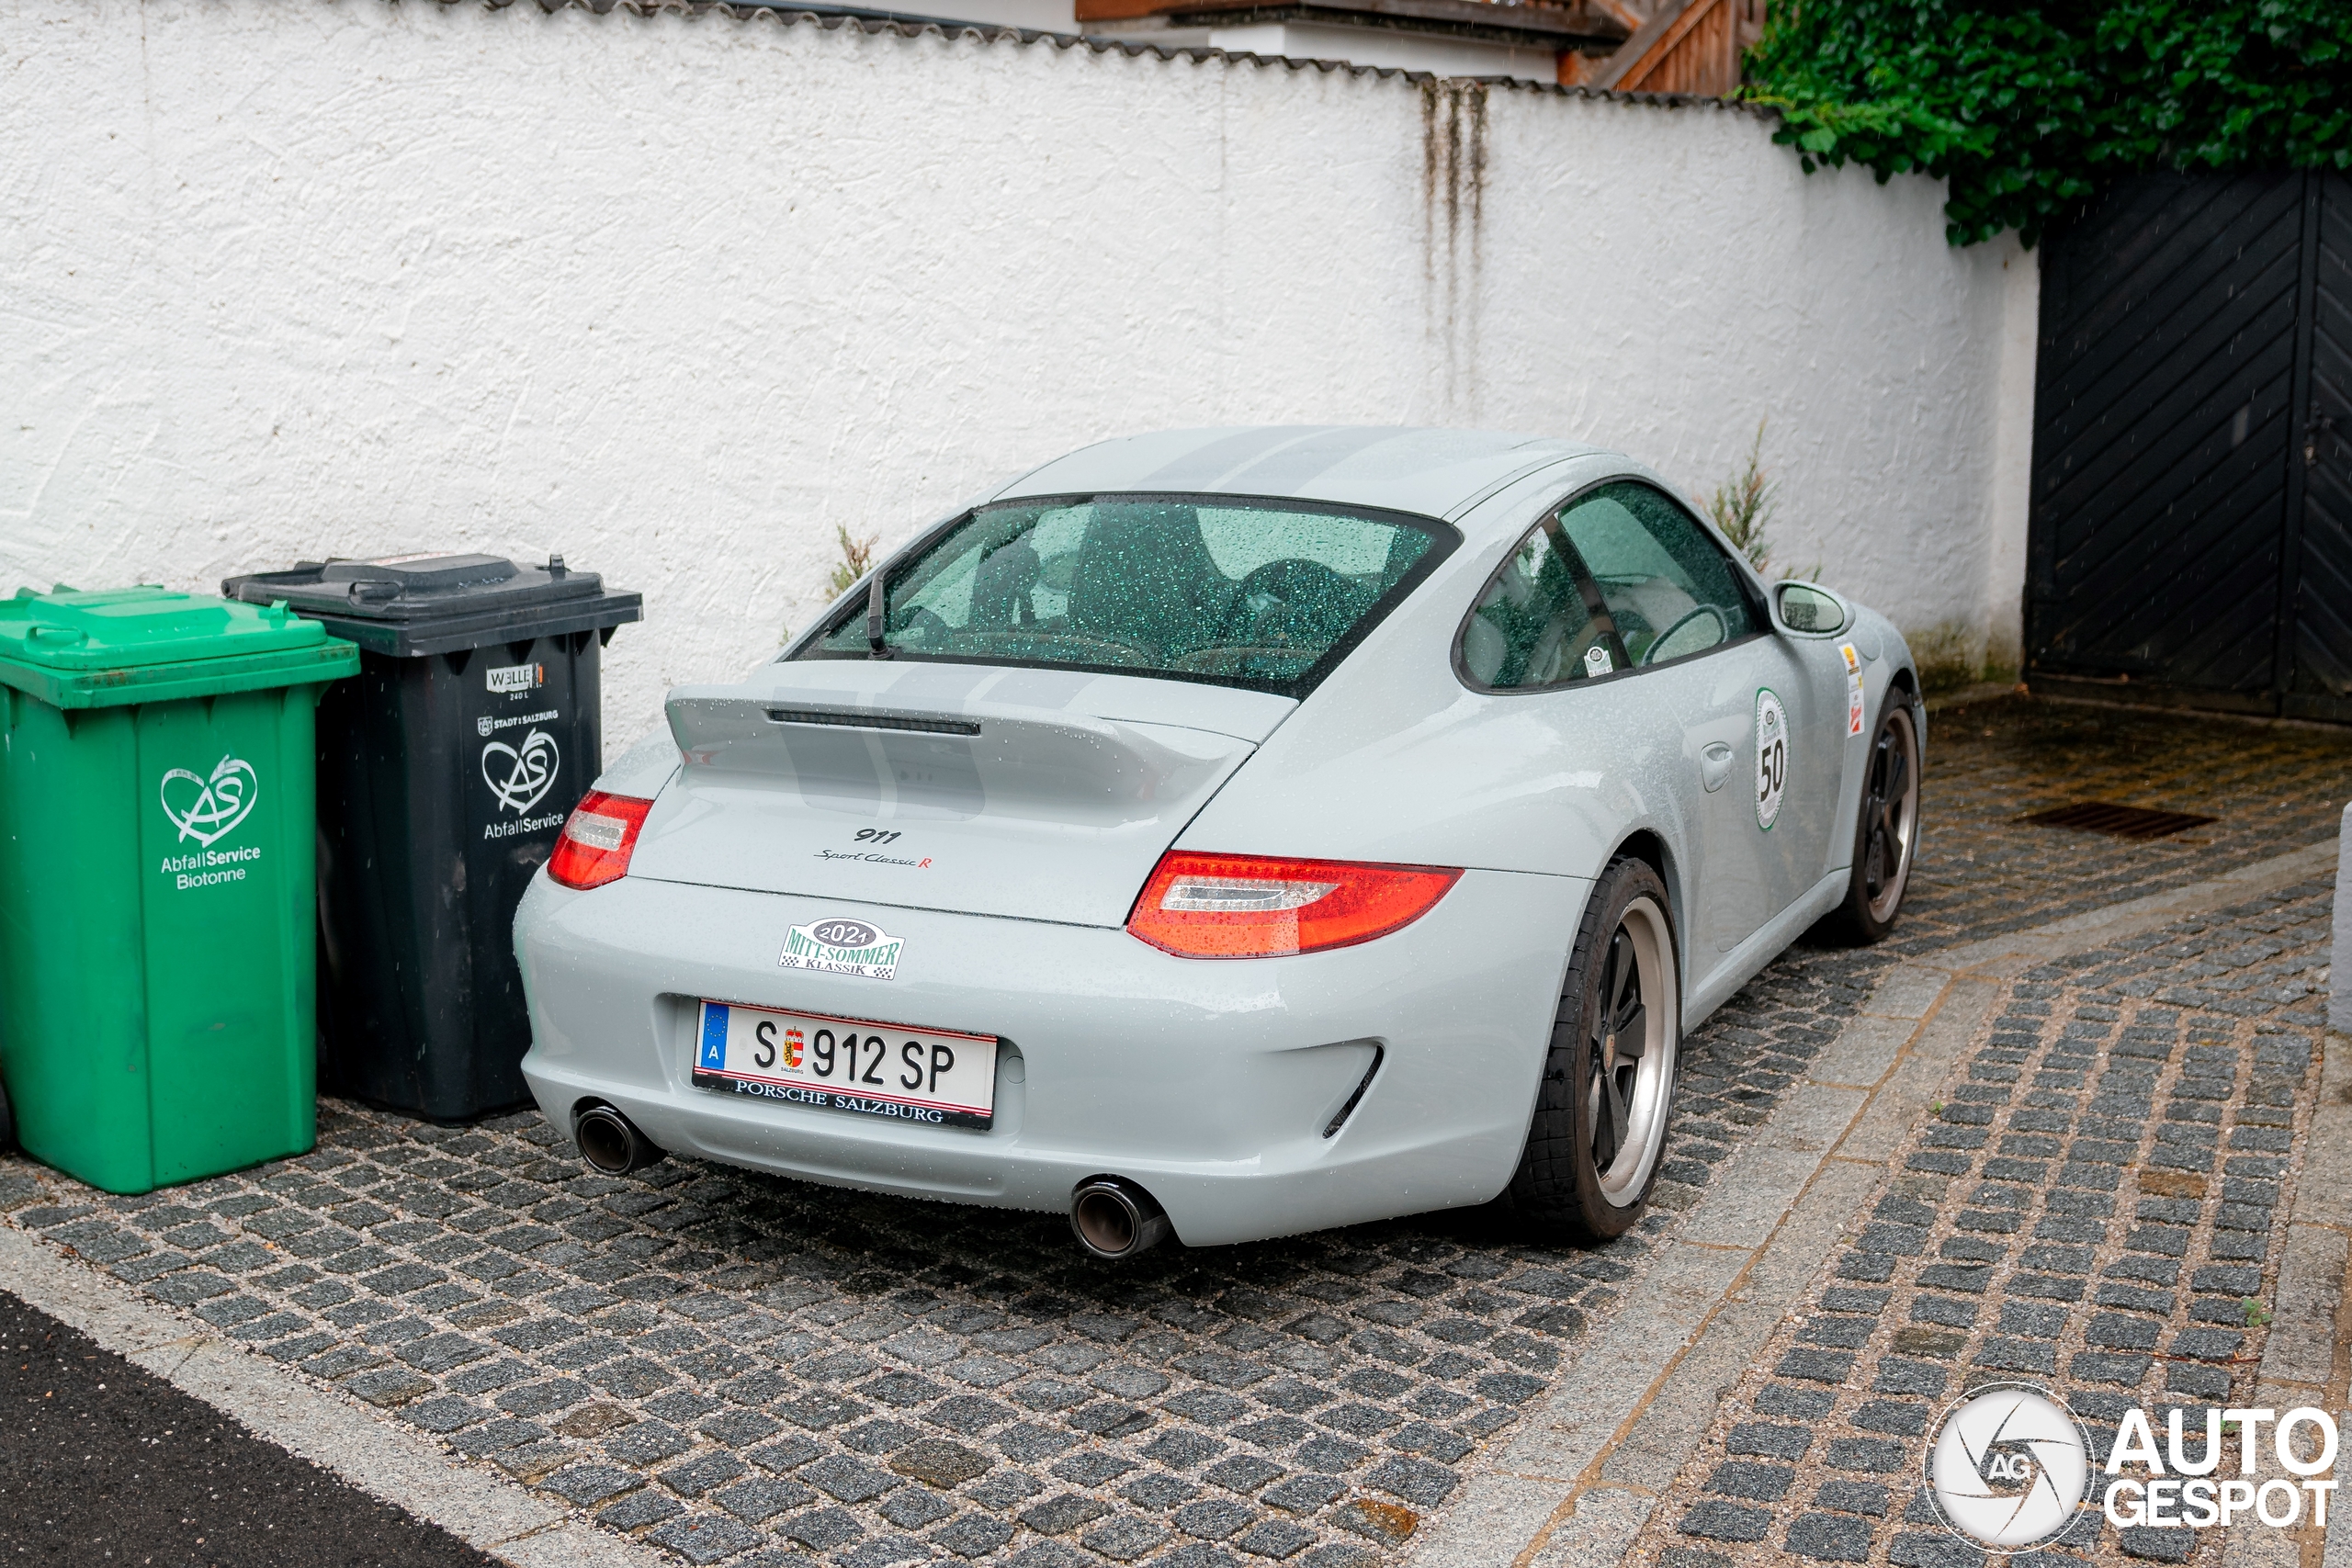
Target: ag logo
pixel 1771 757
pixel 206 809
pixel 519 777
pixel 2009 1467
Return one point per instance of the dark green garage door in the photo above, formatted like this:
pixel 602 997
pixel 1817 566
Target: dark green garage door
pixel 2191 524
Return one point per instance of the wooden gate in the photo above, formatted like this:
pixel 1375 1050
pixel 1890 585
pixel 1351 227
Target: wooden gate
pixel 2190 536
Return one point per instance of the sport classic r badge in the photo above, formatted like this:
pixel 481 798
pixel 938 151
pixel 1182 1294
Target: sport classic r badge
pixel 842 947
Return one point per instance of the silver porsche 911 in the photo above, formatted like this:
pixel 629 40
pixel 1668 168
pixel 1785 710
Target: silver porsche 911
pixel 1232 833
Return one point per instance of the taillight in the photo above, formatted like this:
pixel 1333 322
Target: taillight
pixel 1201 906
pixel 597 839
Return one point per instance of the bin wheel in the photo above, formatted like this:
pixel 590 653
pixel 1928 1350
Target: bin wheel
pixel 7 1123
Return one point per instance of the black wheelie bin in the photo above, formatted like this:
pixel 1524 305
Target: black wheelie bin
pixel 445 771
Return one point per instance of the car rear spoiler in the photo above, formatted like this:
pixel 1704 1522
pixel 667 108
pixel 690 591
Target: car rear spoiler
pixel 983 758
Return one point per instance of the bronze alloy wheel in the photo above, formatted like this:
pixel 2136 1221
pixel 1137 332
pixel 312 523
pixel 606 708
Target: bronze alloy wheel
pixel 1629 1055
pixel 1886 829
pixel 1600 1116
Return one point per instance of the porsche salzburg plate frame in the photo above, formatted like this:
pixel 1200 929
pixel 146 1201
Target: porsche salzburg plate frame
pixel 933 1078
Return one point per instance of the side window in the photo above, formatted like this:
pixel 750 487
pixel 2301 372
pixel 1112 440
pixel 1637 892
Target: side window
pixel 1533 625
pixel 1669 590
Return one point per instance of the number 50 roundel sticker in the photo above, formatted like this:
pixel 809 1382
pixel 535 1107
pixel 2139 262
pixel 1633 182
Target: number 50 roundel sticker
pixel 1771 757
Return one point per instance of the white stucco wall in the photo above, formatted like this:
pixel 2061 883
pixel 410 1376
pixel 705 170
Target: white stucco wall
pixel 676 295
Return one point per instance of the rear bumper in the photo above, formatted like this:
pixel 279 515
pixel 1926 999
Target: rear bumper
pixel 1210 1082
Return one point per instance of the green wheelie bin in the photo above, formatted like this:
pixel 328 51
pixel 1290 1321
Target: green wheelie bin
pixel 157 956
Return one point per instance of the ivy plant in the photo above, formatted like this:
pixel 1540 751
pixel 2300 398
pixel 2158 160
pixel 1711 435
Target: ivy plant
pixel 2026 109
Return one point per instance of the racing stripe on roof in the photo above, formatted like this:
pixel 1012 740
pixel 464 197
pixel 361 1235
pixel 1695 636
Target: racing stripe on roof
pixel 1205 466
pixel 1290 469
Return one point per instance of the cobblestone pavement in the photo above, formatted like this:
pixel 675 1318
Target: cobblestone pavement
pixel 878 1381
pixel 2274 788
pixel 2097 1204
pixel 740 1367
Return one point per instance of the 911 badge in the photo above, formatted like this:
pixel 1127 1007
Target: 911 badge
pixel 1853 688
pixel 1772 756
pixel 842 947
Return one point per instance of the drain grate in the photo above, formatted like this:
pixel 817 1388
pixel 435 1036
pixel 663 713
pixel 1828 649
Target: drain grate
pixel 2120 821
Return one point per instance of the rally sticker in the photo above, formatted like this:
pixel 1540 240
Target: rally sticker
pixel 842 947
pixel 1772 756
pixel 1853 687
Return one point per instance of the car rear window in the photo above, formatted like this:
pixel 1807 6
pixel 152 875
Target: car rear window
pixel 1268 594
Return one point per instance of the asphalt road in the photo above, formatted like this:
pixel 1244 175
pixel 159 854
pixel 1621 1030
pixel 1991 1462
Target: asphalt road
pixel 101 1463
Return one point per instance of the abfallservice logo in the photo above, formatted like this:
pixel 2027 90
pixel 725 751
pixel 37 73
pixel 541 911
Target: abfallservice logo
pixel 2010 1468
pixel 206 808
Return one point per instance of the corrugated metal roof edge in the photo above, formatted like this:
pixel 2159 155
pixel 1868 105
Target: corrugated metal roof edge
pixel 869 22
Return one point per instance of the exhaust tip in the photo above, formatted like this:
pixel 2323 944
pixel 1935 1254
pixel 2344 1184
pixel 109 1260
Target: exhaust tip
pixel 1116 1218
pixel 610 1141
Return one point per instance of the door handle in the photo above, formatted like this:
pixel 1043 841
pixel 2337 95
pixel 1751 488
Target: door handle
pixel 1714 765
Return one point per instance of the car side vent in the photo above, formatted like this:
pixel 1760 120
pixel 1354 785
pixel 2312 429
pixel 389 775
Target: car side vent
pixel 853 719
pixel 2120 822
pixel 1379 1053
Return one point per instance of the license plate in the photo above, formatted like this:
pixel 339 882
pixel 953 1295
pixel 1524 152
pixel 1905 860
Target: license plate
pixel 931 1077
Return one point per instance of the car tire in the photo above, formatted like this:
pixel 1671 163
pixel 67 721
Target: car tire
pixel 1886 825
pixel 1597 1135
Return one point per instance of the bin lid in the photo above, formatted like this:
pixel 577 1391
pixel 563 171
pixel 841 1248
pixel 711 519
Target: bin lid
pixel 147 644
pixel 437 603
pixel 70 630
